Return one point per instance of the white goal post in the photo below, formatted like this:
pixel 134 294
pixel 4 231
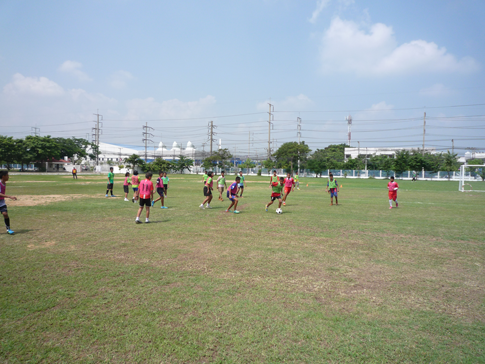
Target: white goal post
pixel 470 181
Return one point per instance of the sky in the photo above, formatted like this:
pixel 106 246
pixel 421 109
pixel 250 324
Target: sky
pixel 175 66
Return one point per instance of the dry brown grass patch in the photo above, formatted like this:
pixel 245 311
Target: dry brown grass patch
pixel 34 200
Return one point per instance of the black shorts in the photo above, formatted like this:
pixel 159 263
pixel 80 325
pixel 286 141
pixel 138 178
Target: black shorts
pixel 241 187
pixel 165 187
pixel 3 209
pixel 145 202
pixel 126 189
pixel 160 191
pixel 207 191
pixel 273 198
pixel 110 186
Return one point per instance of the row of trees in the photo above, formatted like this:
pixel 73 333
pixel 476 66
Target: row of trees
pixel 159 164
pixel 37 150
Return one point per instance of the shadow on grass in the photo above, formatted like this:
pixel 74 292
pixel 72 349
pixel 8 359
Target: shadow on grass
pixel 23 231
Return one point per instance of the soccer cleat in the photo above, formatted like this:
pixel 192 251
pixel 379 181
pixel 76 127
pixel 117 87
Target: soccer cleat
pixel 164 207
pixel 266 208
pixel 284 203
pixel 126 199
pixel 208 206
pixel 137 222
pixel 106 195
pixel 390 207
pixel 236 212
pixel 397 205
pixel 201 206
pixel 153 203
pixel 147 221
pixel 113 196
pixel 10 232
pixel 227 211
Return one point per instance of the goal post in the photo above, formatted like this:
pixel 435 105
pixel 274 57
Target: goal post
pixel 471 178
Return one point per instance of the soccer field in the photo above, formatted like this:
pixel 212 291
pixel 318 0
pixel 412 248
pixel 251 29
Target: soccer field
pixel 81 282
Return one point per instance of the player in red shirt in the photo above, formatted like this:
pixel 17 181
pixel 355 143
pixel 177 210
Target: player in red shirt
pixel 289 186
pixel 146 195
pixel 392 187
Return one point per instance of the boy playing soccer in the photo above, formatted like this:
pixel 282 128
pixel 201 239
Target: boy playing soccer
pixel 111 179
pixel 126 184
pixel 146 194
pixel 332 187
pixel 204 177
pixel 160 190
pixel 232 195
pixel 297 181
pixel 3 206
pixel 242 183
pixel 289 186
pixel 276 194
pixel 274 178
pixel 208 191
pixel 165 183
pixel 221 183
pixel 392 187
pixel 135 181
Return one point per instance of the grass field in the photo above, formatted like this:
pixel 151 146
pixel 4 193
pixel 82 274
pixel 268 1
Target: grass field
pixel 80 282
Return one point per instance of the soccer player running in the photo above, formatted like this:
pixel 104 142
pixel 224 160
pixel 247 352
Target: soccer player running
pixel 111 180
pixel 297 181
pixel 232 195
pixel 242 183
pixel 276 193
pixel 208 191
pixel 135 181
pixel 289 186
pixel 221 183
pixel 160 190
pixel 274 178
pixel 3 206
pixel 332 188
pixel 126 184
pixel 392 187
pixel 146 194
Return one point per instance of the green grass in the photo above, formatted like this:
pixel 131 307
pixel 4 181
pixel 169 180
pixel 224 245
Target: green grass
pixel 80 282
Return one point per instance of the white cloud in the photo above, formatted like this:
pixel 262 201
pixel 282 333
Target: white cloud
pixel 119 79
pixel 40 86
pixel 437 90
pixel 291 103
pixel 73 67
pixel 321 4
pixel 346 47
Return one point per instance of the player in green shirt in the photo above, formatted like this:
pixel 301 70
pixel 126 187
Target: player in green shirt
pixel 242 184
pixel 297 180
pixel 274 178
pixel 221 183
pixel 276 193
pixel 111 179
pixel 205 177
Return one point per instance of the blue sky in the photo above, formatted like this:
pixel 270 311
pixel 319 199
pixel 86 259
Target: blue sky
pixel 178 65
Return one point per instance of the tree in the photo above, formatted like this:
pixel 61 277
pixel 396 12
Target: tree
pixel 268 163
pixel 222 159
pixel 248 163
pixel 182 164
pixel 158 165
pixel 353 163
pixel 450 163
pixel 134 160
pixel 288 154
pixel 8 150
pixel 42 149
pixel 401 161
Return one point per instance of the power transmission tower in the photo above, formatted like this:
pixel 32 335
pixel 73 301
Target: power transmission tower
pixel 424 129
pixel 35 131
pixel 96 131
pixel 298 132
pixel 146 135
pixel 211 134
pixel 270 124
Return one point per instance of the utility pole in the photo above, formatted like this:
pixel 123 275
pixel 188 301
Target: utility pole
pixel 146 135
pixel 35 131
pixel 211 135
pixel 271 118
pixel 452 146
pixel 298 132
pixel 96 132
pixel 424 129
pixel 349 123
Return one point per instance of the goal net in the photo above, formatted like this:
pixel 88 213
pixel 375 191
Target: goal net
pixel 471 178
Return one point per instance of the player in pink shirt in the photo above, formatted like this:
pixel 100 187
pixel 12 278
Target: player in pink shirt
pixel 126 185
pixel 3 206
pixel 392 187
pixel 289 186
pixel 145 190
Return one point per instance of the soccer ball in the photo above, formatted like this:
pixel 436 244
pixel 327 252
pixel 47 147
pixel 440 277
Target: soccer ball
pixel 279 211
